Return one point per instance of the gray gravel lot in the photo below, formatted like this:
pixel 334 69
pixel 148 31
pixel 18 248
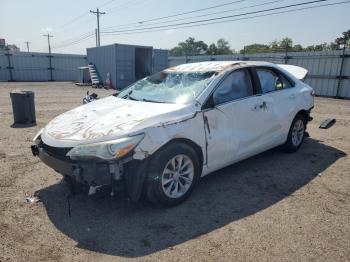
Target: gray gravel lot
pixel 272 207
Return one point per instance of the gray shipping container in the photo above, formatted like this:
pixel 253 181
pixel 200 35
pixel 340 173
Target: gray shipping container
pixel 160 60
pixel 126 63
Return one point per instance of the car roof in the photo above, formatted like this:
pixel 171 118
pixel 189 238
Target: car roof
pixel 214 66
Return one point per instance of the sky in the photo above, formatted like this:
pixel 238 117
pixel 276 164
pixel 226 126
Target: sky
pixel 69 21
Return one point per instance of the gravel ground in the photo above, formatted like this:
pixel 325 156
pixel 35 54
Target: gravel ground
pixel 272 207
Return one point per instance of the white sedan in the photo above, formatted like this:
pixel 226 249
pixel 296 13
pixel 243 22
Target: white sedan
pixel 160 135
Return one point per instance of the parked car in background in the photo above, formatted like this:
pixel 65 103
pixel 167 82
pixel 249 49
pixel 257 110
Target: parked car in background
pixel 160 135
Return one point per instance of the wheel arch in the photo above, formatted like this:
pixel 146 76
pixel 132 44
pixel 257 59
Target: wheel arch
pixel 304 113
pixel 192 144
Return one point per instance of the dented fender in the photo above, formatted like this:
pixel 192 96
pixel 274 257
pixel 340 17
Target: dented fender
pixel 159 135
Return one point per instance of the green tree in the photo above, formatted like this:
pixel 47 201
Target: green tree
pixel 176 51
pixel 190 47
pixel 223 47
pixel 255 48
pixel 297 48
pixel 344 39
pixel 274 46
pixel 286 44
pixel 212 49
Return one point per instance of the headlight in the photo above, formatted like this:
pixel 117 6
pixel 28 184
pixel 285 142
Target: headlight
pixel 37 135
pixel 106 150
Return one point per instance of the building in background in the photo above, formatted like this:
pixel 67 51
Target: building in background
pixel 2 43
pixel 125 64
pixel 11 48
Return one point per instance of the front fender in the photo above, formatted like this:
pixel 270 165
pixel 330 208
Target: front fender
pixel 155 137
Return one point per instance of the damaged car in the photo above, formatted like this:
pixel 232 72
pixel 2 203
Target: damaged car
pixel 160 135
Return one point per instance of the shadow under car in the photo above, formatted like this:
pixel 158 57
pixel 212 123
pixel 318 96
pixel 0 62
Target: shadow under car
pixel 121 228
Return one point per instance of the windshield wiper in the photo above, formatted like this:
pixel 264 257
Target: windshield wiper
pixel 151 101
pixel 132 98
pixel 128 96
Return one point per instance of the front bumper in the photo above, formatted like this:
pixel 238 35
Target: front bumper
pixel 86 172
pixel 124 174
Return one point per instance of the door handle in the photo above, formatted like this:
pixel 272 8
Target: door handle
pixel 263 105
pixel 292 96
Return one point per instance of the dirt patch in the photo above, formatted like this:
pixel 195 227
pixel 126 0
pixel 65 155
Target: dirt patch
pixel 271 207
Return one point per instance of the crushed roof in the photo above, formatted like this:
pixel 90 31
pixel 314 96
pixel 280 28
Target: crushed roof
pixel 215 66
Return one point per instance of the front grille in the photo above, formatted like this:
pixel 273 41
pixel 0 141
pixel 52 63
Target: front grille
pixel 59 152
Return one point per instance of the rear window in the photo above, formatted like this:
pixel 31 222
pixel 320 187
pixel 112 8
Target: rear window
pixel 271 81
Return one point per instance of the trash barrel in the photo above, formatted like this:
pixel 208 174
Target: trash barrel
pixel 23 107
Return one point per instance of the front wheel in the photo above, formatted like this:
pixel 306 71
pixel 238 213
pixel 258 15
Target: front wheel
pixel 296 134
pixel 174 172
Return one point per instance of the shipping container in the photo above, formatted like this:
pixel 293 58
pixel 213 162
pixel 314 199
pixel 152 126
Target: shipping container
pixel 126 64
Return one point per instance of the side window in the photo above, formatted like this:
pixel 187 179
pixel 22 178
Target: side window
pixel 235 86
pixel 270 81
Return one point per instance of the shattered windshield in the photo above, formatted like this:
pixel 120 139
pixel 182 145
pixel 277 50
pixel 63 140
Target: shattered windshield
pixel 168 87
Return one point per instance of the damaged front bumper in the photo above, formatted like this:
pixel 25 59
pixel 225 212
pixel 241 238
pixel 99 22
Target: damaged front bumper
pixel 92 174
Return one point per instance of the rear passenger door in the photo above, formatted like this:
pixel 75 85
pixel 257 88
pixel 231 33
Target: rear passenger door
pixel 279 96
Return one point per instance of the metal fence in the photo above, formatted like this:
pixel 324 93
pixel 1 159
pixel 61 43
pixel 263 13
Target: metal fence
pixel 24 66
pixel 329 71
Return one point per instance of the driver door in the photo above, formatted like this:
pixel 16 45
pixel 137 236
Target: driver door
pixel 234 122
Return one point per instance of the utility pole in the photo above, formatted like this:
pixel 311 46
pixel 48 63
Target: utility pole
pixel 50 56
pixel 27 43
pixel 96 36
pixel 341 77
pixel 98 13
pixel 286 53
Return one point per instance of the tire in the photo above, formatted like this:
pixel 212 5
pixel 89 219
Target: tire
pixel 173 173
pixel 296 134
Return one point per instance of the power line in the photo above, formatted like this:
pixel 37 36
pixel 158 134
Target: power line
pixel 126 5
pixel 107 3
pixel 88 36
pixel 218 18
pixel 82 15
pixel 76 41
pixel 98 13
pixel 192 11
pixel 131 25
pixel 237 19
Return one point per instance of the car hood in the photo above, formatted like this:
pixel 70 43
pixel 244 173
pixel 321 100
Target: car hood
pixel 109 118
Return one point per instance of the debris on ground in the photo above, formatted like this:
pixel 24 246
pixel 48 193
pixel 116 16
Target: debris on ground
pixel 89 98
pixel 327 123
pixel 33 199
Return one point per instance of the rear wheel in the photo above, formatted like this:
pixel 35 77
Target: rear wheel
pixel 296 134
pixel 174 172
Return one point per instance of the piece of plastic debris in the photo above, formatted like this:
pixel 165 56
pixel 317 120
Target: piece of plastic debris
pixel 327 123
pixel 33 199
pixel 89 98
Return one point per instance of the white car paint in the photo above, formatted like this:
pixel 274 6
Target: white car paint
pixel 226 133
pixel 296 71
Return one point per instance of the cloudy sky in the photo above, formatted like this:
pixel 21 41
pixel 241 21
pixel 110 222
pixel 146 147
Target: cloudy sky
pixel 73 26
